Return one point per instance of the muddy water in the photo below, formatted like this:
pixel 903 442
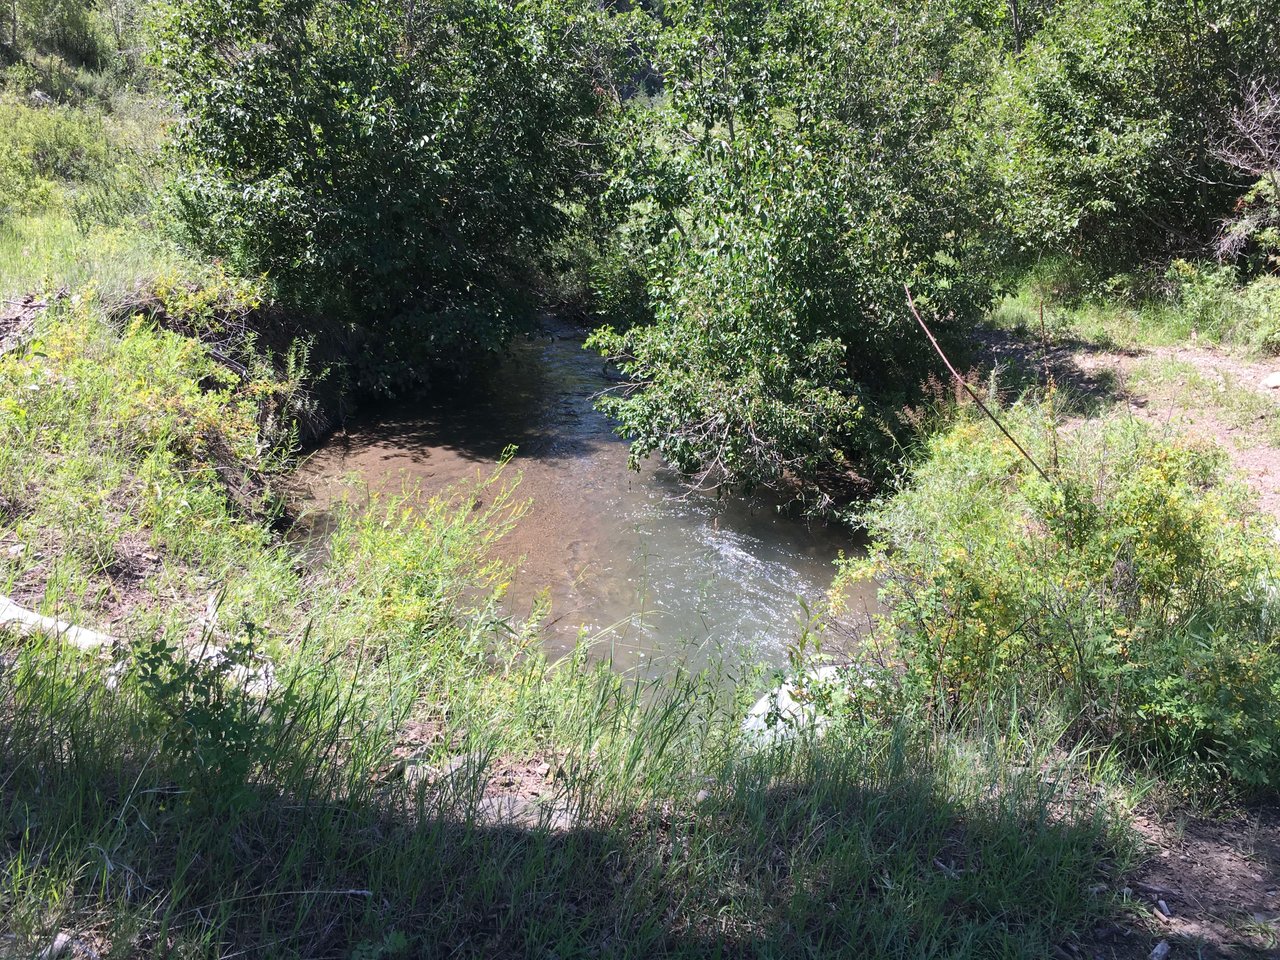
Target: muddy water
pixel 653 573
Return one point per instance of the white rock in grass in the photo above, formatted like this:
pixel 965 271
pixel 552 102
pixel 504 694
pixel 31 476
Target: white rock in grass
pixel 1272 382
pixel 506 810
pixel 60 946
pixel 794 707
pixel 1161 950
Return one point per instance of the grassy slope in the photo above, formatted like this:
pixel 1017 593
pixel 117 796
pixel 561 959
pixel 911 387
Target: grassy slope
pixel 153 808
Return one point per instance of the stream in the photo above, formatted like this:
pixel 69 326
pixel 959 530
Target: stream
pixel 653 573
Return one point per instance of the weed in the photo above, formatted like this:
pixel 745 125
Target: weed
pixel 1133 589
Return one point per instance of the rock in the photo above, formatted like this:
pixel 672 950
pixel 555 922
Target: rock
pixel 789 708
pixel 512 811
pixel 60 947
pixel 1164 908
pixel 418 768
pixel 1272 382
pixel 543 769
pixel 1161 951
pixel 702 797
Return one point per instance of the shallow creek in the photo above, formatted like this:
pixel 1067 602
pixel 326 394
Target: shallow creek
pixel 653 573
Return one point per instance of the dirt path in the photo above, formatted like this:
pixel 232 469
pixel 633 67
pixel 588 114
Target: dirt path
pixel 1202 391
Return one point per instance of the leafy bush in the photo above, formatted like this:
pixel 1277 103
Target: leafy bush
pixel 1101 130
pixel 1261 304
pixel 808 160
pixel 1255 227
pixel 1207 300
pixel 1137 588
pixel 403 168
pixel 42 149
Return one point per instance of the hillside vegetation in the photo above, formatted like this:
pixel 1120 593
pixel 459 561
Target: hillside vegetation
pixel 226 224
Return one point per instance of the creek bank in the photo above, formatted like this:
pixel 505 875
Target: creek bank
pixel 654 573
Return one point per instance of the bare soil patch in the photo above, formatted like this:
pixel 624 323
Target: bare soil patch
pixel 1211 888
pixel 1196 390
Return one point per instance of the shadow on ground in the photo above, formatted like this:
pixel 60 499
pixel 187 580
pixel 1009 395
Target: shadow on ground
pixel 822 853
pixel 1025 362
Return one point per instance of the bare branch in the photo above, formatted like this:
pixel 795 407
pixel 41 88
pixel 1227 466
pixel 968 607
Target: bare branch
pixel 968 389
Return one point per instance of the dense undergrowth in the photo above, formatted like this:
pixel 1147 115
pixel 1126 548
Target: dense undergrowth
pixel 1133 589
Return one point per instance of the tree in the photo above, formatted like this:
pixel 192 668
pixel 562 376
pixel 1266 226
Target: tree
pixel 399 164
pixel 1102 129
pixel 808 159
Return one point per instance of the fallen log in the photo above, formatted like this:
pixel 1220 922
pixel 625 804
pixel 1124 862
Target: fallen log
pixel 257 681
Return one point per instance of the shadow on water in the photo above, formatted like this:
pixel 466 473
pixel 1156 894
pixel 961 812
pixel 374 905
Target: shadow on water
pixel 540 400
pixel 659 573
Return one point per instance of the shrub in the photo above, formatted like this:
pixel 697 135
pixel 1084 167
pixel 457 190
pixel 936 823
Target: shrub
pixel 1137 589
pixel 404 171
pixel 1207 300
pixel 1261 303
pixel 808 160
pixel 42 149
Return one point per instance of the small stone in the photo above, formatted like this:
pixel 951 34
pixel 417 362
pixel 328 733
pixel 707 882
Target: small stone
pixel 17 550
pixel 1272 382
pixel 511 811
pixel 702 796
pixel 61 944
pixel 1161 951
pixel 1164 908
pixel 543 769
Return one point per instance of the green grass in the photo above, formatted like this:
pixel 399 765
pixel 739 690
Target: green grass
pixel 154 808
pixel 78 186
pixel 1203 303
pixel 871 840
pixel 46 252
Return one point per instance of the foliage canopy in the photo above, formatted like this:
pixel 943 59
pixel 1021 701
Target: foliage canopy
pixel 402 165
